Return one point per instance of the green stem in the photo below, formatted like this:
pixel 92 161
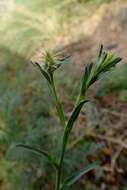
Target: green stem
pixel 58 105
pixel 79 98
pixel 57 180
pixel 67 131
pixel 64 144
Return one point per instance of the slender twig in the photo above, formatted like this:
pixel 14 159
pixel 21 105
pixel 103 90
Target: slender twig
pixel 114 158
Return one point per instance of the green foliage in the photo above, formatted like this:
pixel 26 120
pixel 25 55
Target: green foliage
pixel 26 114
pixel 95 71
pixel 26 119
pixel 50 157
pixel 92 73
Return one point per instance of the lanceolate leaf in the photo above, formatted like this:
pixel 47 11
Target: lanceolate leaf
pixel 70 123
pixel 44 73
pixel 112 63
pixel 64 60
pixel 76 176
pixel 46 154
pixel 73 117
pixel 104 58
pixel 85 77
pixel 75 113
pixel 100 51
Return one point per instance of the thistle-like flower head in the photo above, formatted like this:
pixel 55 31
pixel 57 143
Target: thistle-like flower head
pixel 49 63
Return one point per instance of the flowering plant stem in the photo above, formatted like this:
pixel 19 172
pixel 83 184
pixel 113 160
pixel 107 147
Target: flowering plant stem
pixel 58 105
pixel 62 120
pixel 91 74
pixel 63 150
pixel 64 141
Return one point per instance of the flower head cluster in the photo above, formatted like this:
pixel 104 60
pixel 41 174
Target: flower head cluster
pixel 93 71
pixel 51 62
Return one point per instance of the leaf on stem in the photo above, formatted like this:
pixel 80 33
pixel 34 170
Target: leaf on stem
pixel 46 154
pixel 43 72
pixel 64 60
pixel 100 51
pixel 74 116
pixel 85 77
pixel 76 176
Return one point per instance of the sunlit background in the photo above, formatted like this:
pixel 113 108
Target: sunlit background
pixel 28 28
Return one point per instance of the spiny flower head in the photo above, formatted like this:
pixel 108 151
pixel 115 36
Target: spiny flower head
pixel 49 63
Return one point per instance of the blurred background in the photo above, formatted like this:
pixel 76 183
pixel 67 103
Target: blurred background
pixel 27 111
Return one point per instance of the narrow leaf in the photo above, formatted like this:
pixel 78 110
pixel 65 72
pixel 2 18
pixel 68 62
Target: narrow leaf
pixel 100 51
pixel 85 78
pixel 112 64
pixel 46 154
pixel 65 59
pixel 76 176
pixel 115 61
pixel 44 73
pixel 104 57
pixel 71 121
pixel 74 115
